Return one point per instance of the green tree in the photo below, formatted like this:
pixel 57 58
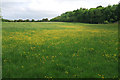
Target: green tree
pixel 44 20
pixel 33 20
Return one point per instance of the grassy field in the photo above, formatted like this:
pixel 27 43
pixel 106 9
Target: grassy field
pixel 59 50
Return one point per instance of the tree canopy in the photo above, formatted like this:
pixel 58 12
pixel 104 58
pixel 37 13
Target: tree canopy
pixel 97 15
pixel 93 15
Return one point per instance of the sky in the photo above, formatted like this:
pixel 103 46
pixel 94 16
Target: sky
pixel 39 9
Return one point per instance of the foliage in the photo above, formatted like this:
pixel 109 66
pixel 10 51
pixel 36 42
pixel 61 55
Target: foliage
pixel 106 22
pixel 118 11
pixel 44 20
pixel 92 15
pixel 27 20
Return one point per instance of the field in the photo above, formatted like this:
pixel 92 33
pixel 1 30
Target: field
pixel 59 50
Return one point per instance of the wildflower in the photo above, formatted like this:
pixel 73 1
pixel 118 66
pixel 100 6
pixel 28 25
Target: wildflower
pixel 99 75
pixel 75 75
pixel 31 48
pixel 48 46
pixel 22 66
pixel 114 55
pixel 10 37
pixel 66 72
pixel 53 56
pixel 76 42
pixel 91 49
pixel 47 57
pixel 60 53
pixel 5 60
pixel 73 54
pixel 29 38
pixel 50 77
pixel 77 55
pixel 33 31
pixel 103 77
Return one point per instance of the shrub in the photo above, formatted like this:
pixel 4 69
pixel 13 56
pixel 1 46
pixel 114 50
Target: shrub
pixel 111 20
pixel 106 22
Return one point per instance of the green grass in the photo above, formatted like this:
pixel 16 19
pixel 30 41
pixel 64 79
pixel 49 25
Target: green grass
pixel 59 50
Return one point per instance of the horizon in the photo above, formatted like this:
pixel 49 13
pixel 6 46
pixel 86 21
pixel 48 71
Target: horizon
pixel 39 9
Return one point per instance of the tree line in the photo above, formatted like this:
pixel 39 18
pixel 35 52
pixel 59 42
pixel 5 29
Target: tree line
pixel 27 20
pixel 100 14
pixel 96 15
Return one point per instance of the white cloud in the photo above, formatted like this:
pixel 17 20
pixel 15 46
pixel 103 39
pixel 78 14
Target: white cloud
pixel 38 9
pixel 14 1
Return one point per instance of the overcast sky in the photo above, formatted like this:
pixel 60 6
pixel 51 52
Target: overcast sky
pixel 38 9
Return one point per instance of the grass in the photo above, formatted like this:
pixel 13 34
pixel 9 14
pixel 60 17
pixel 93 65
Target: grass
pixel 59 50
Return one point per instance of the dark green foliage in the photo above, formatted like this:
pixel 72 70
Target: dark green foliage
pixel 44 20
pixel 106 22
pixel 6 20
pixel 109 14
pixel 93 15
pixel 27 20
pixel 118 11
pixel 33 20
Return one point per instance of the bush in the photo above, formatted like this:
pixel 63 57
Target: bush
pixel 106 22
pixel 111 20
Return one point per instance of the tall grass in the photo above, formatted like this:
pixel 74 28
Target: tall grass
pixel 59 50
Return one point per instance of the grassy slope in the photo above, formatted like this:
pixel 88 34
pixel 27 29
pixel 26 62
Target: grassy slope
pixel 61 50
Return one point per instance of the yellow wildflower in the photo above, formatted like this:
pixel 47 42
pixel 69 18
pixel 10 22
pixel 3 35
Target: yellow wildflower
pixel 22 66
pixel 73 54
pixel 115 55
pixel 66 72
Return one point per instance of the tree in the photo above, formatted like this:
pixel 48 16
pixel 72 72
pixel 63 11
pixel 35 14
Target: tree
pixel 99 6
pixel 33 20
pixel 93 15
pixel 20 20
pixel 27 20
pixel 118 11
pixel 45 20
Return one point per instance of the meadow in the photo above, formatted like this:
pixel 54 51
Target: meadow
pixel 59 50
